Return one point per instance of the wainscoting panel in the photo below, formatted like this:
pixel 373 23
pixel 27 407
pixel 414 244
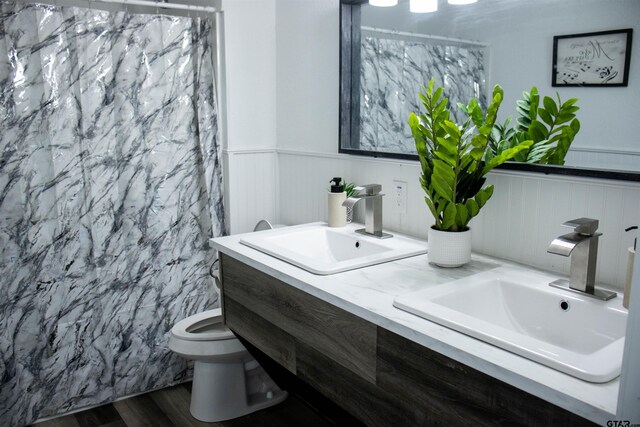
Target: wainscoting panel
pixel 252 184
pixel 524 215
pixel 308 176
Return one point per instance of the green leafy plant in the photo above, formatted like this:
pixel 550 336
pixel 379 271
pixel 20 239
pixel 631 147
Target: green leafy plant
pixel 349 188
pixel 551 126
pixel 455 158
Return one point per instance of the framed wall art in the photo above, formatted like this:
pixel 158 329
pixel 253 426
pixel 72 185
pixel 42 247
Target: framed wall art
pixel 592 59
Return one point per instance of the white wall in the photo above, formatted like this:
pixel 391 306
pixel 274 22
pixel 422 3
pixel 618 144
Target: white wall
pixel 307 74
pixel 250 37
pixel 282 73
pixel 249 157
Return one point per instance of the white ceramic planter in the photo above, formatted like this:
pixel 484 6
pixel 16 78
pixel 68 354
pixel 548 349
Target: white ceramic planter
pixel 449 249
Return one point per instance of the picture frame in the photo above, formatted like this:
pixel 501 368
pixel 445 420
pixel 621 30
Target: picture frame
pixel 599 59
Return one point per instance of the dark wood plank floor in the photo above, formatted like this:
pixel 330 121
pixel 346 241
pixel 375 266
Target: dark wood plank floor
pixel 170 407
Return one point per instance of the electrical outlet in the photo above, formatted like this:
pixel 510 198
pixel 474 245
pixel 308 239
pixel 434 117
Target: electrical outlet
pixel 400 196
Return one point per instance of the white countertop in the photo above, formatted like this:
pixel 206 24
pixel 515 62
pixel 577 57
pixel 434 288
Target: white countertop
pixel 369 293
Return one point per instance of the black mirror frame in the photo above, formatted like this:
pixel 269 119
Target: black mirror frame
pixel 350 98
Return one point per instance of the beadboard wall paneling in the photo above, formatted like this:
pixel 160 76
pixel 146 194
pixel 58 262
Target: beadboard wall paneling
pixel 304 184
pixel 524 215
pixel 251 185
pixel 308 175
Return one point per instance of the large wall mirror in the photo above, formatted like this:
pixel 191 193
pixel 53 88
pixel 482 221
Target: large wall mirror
pixel 388 53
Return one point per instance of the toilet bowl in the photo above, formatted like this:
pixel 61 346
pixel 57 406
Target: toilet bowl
pixel 227 381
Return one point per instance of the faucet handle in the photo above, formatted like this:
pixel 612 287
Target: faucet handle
pixel 585 226
pixel 369 189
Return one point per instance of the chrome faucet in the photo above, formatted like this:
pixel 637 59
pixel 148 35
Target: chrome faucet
pixel 373 210
pixel 582 246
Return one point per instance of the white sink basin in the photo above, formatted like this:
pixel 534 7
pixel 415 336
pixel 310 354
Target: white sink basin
pixel 322 250
pixel 516 310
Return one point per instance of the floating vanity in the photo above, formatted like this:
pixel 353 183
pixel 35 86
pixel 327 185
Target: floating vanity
pixel 342 334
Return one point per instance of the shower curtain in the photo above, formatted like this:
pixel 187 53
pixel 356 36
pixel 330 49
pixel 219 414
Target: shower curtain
pixel 110 187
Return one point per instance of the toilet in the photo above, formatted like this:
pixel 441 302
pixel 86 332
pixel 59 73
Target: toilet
pixel 227 382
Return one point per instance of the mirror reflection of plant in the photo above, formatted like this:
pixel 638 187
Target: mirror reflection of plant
pixel 552 127
pixel 454 158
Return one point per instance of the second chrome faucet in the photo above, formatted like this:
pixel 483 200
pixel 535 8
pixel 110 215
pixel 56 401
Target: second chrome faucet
pixel 372 197
pixel 582 246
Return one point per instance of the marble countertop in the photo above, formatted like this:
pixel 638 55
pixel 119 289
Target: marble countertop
pixel 369 293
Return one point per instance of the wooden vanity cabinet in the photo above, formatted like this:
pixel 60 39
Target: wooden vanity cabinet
pixel 379 377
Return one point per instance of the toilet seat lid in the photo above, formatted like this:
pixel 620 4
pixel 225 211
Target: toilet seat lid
pixel 205 326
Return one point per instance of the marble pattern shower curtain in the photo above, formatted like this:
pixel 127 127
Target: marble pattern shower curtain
pixel 392 73
pixel 110 187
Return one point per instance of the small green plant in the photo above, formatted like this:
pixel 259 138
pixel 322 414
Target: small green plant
pixel 349 188
pixel 454 159
pixel 551 126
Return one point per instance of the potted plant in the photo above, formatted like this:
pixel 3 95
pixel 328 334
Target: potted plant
pixel 454 159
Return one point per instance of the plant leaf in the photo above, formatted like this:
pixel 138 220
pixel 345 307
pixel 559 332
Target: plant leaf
pixel 449 216
pixel 484 195
pixel 569 102
pixel 431 206
pixel 538 131
pixel 462 215
pixel 472 207
pixel 443 179
pixel 550 105
pixel 545 116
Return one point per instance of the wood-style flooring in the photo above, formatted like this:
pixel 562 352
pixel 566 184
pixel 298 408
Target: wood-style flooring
pixel 170 407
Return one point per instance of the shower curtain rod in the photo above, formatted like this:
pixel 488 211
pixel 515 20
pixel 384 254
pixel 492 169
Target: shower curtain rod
pixel 159 4
pixel 424 36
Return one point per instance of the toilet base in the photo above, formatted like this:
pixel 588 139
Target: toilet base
pixel 219 392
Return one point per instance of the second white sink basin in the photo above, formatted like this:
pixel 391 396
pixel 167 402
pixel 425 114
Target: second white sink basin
pixel 515 309
pixel 322 250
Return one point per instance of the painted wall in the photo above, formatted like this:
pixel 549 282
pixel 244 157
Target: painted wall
pixel 307 67
pixel 273 98
pixel 250 158
pixel 250 72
